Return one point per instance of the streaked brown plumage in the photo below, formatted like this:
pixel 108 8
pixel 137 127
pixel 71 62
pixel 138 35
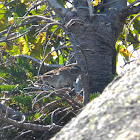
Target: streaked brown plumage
pixel 61 77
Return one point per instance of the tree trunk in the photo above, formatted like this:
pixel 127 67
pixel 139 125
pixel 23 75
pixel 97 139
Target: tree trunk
pixel 98 54
pixel 94 46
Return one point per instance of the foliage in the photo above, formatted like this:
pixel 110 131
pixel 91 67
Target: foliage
pixel 24 102
pixel 7 87
pixel 16 70
pixel 94 95
pixel 128 38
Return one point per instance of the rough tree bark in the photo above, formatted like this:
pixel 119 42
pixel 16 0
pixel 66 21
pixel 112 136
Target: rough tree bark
pixel 97 36
pixel 94 37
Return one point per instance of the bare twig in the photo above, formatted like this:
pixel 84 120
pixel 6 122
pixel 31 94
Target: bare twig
pixel 21 134
pixel 58 111
pixel 91 8
pixel 34 6
pixel 130 5
pixel 37 17
pixel 28 126
pixel 84 77
pixel 37 61
pixel 6 127
pixel 59 48
pixel 59 9
pixel 10 111
pixel 49 41
pixel 35 99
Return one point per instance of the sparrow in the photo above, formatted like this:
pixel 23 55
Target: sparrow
pixel 61 77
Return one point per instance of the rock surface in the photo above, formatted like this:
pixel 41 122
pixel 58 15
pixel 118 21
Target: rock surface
pixel 114 115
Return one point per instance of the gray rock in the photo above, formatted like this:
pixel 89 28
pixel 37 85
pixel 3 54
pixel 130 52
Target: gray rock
pixel 114 115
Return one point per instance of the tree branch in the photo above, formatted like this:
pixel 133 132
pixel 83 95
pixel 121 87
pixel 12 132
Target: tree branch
pixel 91 8
pixel 127 32
pixel 132 3
pixel 124 13
pixel 63 12
pixel 113 6
pixel 29 126
pixel 37 61
pixel 11 111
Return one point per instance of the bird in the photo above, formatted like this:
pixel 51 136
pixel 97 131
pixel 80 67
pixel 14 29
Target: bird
pixel 59 78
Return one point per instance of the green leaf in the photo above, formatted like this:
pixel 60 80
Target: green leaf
pixel 1 5
pixel 118 47
pixel 52 29
pixel 7 87
pixel 2 12
pixel 63 3
pixel 137 24
pixel 130 1
pixel 94 95
pixel 15 15
pixel 136 32
pixel 33 12
pixel 21 9
pixel 131 38
pixel 61 59
pixel 22 29
pixel 42 8
pixel 14 50
pixel 136 45
pixel 37 115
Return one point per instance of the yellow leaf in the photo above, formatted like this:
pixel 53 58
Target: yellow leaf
pixel 27 5
pixel 24 45
pixel 59 35
pixel 22 1
pixel 37 40
pixel 54 54
pixel 42 36
pixel 31 62
pixel 96 2
pixel 25 49
pixel 43 39
pixel 126 52
pixel 10 22
pixel 1 21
